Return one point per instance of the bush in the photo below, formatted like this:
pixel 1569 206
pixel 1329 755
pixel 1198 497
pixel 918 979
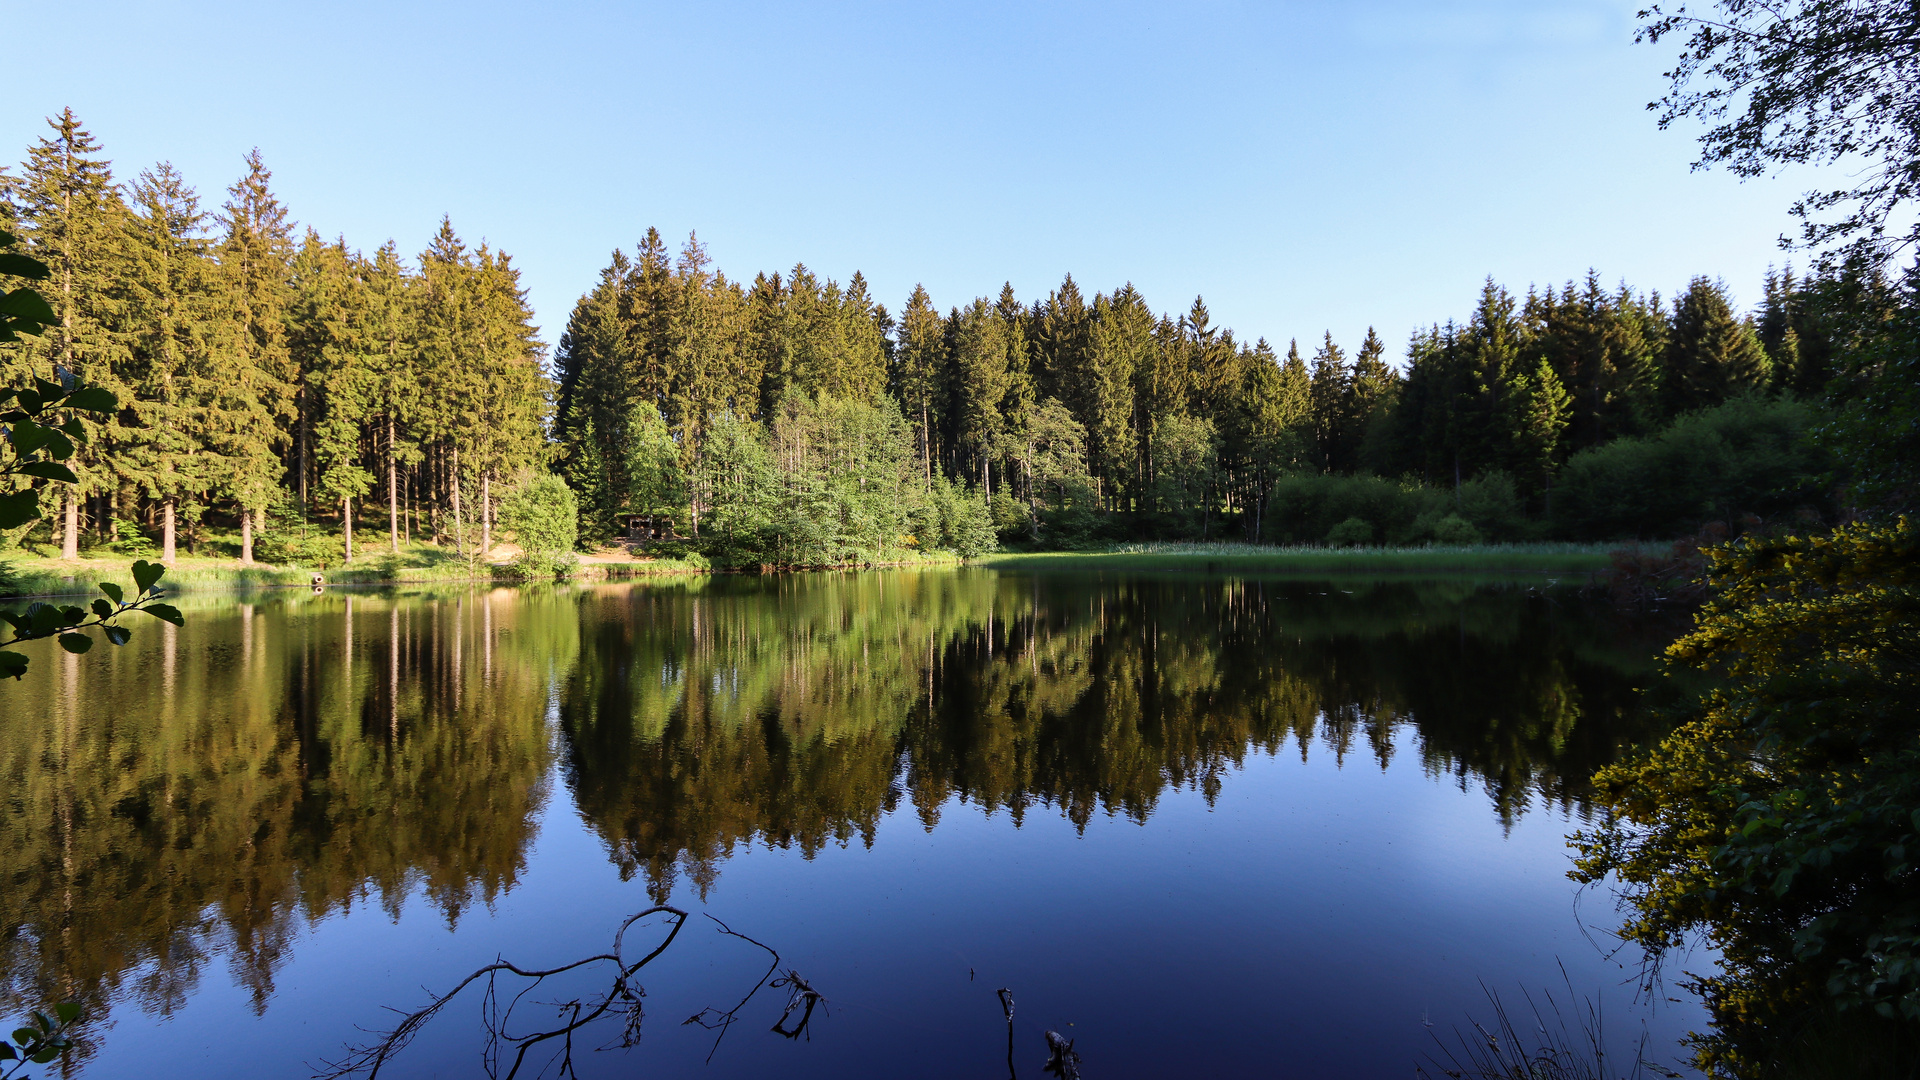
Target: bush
pixel 960 521
pixel 285 542
pixel 544 566
pixel 1491 504
pixel 1455 531
pixel 1750 455
pixel 1352 532
pixel 1306 508
pixel 543 516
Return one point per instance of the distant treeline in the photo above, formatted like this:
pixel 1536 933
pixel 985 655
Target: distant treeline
pixel 1073 418
pixel 269 380
pixel 266 378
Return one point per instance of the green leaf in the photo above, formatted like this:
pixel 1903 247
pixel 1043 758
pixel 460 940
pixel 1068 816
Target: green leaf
pixel 19 507
pixel 6 1051
pixel 49 470
pixel 49 391
pixel 146 573
pixel 45 1055
pixel 59 447
pixel 27 437
pixel 92 399
pixel 32 400
pixel 12 665
pixel 25 1035
pixel 24 303
pixel 117 634
pixel 113 591
pixel 23 266
pixel 165 613
pixel 76 643
pixel 67 1011
pixel 102 608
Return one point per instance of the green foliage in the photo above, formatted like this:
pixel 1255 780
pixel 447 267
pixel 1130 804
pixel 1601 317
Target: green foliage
pixel 42 1040
pixel 656 484
pixel 66 623
pixel 1455 531
pixel 1353 532
pixel 1491 503
pixel 543 515
pixel 1306 508
pixel 1806 82
pixel 1750 455
pixel 1778 820
pixel 287 539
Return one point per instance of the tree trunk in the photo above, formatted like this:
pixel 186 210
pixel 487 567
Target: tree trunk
pixel 70 532
pixel 168 537
pixel 393 493
pixel 346 524
pixel 246 537
pixel 486 514
pixel 453 477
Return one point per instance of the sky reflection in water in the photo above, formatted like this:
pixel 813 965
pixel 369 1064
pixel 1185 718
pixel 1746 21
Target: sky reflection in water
pixel 1227 825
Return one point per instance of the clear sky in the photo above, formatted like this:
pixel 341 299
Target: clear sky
pixel 1303 166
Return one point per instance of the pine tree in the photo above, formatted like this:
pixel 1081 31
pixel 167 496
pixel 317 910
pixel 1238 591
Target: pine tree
pixel 1371 393
pixel 1122 341
pixel 919 360
pixel 175 330
pixel 1712 355
pixel 262 394
pixel 1332 399
pixel 1542 412
pixel 73 219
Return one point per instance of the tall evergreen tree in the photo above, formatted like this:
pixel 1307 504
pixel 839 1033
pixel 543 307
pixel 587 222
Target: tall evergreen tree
pixel 1712 355
pixel 73 220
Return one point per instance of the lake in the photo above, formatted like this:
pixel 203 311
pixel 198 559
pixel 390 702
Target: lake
pixel 1202 825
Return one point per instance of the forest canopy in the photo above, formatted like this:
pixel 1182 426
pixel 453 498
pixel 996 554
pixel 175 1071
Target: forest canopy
pixel 272 379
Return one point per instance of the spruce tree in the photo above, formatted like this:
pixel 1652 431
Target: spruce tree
pixel 175 330
pixel 919 359
pixel 1332 398
pixel 74 221
pixel 262 395
pixel 1712 355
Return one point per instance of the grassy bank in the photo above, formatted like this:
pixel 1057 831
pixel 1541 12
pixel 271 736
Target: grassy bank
pixel 1249 558
pixel 25 575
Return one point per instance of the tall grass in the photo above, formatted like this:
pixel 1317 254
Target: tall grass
pixel 48 577
pixel 1476 558
pixel 1556 1046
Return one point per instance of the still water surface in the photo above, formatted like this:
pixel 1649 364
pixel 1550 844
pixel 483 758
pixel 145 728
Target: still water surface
pixel 1203 825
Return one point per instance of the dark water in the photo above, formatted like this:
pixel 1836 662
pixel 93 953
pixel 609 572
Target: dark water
pixel 1203 825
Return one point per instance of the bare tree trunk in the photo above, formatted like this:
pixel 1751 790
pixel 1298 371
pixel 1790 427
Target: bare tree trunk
pixel 459 541
pixel 486 514
pixel 70 535
pixel 346 523
pixel 168 532
pixel 246 537
pixel 393 493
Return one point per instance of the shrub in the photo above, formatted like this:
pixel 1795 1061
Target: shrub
pixel 543 516
pixel 1305 508
pixel 1455 531
pixel 1352 532
pixel 1750 455
pixel 1491 504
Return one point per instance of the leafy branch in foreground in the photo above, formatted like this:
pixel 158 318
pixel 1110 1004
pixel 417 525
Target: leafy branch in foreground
pixel 1807 82
pixel 620 1000
pixel 39 1043
pixel 42 620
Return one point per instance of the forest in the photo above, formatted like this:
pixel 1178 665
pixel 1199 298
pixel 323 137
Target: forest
pixel 279 392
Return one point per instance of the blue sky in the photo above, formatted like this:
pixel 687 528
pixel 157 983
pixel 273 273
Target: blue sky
pixel 1304 166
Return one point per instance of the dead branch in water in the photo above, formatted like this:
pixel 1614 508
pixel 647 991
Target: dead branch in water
pixel 621 998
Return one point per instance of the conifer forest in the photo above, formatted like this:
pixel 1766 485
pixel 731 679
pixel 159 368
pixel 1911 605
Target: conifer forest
pixel 273 380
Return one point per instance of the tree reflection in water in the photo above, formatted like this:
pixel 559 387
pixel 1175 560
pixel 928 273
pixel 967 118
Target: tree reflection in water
pixel 206 792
